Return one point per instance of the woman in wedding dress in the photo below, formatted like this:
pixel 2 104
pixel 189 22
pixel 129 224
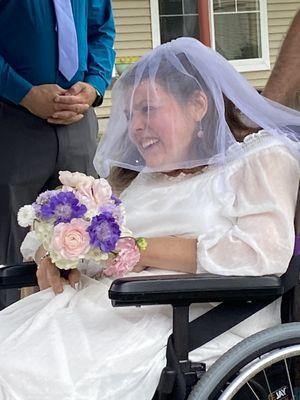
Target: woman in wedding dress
pixel 207 200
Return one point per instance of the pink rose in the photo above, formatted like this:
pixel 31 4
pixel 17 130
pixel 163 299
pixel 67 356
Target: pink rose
pixel 71 240
pixel 127 258
pixel 74 179
pixel 91 192
pixel 101 191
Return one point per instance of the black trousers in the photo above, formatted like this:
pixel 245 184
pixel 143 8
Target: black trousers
pixel 32 152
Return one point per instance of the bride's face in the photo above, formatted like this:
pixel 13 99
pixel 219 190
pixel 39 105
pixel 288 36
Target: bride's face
pixel 162 129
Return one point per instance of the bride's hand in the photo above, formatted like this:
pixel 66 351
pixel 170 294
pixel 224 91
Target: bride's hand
pixel 139 267
pixel 48 275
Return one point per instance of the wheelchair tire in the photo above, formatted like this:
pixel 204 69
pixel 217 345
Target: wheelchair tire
pixel 244 361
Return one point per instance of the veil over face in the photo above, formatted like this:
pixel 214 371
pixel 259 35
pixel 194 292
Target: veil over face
pixel 168 111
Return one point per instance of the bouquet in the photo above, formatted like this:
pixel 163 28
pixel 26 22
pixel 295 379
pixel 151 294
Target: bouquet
pixel 83 220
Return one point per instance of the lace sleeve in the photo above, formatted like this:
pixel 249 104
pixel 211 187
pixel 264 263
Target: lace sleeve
pixel 29 246
pixel 259 236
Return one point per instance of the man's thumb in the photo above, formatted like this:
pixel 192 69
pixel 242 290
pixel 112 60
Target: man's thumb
pixel 75 89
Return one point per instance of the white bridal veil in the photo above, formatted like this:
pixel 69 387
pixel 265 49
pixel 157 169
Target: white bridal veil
pixel 168 111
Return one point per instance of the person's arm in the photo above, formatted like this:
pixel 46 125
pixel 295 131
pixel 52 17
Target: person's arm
pixel 39 100
pixel 259 235
pixel 12 86
pixel 101 35
pixel 258 238
pixel 170 253
pixel 284 80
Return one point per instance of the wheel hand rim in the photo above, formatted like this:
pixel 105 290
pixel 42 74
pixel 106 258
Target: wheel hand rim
pixel 257 366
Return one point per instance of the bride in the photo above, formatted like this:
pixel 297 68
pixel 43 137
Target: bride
pixel 209 172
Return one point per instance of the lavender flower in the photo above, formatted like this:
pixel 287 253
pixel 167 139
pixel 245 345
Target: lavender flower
pixel 116 200
pixel 63 206
pixel 37 209
pixel 115 211
pixel 104 232
pixel 45 197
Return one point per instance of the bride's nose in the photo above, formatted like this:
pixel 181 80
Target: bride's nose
pixel 138 123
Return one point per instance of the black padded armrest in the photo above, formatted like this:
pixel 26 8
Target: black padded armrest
pixel 180 289
pixel 17 276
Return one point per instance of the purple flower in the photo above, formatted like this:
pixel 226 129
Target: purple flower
pixel 116 200
pixel 45 197
pixel 115 211
pixel 37 209
pixel 104 232
pixel 63 206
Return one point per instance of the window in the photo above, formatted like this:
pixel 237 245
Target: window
pixel 178 18
pixel 238 28
pixel 239 32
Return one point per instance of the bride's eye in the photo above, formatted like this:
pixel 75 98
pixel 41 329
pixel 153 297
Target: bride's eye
pixel 147 109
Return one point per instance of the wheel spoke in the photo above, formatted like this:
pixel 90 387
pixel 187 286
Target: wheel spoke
pixel 252 390
pixel 289 378
pixel 267 381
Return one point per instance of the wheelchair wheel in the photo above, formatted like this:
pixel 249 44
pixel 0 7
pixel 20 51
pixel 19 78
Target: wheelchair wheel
pixel 265 366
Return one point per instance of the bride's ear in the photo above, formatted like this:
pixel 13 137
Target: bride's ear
pixel 198 105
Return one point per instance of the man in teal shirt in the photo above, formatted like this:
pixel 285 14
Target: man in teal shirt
pixel 46 120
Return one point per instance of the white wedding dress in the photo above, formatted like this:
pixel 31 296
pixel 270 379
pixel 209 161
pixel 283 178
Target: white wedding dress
pixel 76 346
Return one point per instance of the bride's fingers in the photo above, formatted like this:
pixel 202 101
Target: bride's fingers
pixel 54 278
pixel 139 268
pixel 41 274
pixel 74 277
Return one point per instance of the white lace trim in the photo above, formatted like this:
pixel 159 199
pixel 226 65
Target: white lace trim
pixel 252 142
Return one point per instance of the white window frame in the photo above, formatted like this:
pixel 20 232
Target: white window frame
pixel 246 65
pixel 155 25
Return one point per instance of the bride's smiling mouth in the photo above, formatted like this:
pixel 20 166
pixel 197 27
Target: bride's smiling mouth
pixel 148 143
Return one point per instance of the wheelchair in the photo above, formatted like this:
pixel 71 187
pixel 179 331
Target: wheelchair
pixel 264 366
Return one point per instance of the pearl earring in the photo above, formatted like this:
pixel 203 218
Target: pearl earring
pixel 200 131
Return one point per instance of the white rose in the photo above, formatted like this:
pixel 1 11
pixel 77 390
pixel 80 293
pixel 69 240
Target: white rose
pixel 26 216
pixel 44 232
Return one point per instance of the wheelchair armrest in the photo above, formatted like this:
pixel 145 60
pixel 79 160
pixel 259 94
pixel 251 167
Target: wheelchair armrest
pixel 18 276
pixel 187 289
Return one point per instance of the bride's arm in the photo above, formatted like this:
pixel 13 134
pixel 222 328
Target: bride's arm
pixel 257 238
pixel 170 253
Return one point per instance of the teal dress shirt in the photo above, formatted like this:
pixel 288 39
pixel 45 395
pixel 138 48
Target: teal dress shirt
pixel 29 48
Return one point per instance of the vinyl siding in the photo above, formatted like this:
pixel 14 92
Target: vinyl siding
pixel 134 37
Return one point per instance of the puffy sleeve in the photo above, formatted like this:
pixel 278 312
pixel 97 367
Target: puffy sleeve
pixel 29 246
pixel 258 236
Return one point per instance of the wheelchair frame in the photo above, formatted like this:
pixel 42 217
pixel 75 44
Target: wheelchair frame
pixel 240 297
